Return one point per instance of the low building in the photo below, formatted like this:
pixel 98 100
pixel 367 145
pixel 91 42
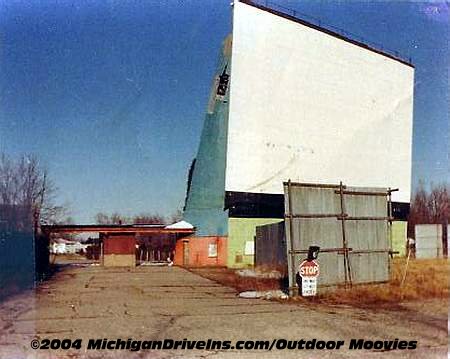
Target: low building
pixel 119 244
pixel 119 249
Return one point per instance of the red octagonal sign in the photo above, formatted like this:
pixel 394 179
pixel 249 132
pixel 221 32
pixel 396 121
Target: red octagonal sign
pixel 309 269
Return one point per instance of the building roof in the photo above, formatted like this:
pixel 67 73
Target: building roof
pixel 180 225
pixel 116 228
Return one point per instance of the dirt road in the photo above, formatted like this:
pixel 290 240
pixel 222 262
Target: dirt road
pixel 150 303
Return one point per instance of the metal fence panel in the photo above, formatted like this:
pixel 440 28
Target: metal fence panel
pixel 369 267
pixel 322 232
pixel 270 246
pixel 315 215
pixel 428 240
pixel 366 238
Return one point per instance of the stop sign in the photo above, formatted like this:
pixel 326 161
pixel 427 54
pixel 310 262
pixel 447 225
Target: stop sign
pixel 309 269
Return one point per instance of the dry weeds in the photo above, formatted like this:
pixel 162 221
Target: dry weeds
pixel 425 279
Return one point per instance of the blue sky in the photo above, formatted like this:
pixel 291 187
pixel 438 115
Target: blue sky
pixel 111 94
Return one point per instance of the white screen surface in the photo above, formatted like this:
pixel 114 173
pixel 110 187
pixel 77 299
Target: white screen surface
pixel 307 106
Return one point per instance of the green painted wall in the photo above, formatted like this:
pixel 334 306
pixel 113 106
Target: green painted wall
pixel 241 230
pixel 399 237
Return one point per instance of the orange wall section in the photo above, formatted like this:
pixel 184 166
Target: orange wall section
pixel 198 252
pixel 119 244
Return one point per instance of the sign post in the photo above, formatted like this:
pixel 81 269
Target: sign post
pixel 309 271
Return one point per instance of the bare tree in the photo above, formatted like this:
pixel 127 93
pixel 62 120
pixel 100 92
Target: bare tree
pixel 177 216
pixel 102 218
pixel 145 218
pixel 432 207
pixel 438 204
pixel 117 218
pixel 25 186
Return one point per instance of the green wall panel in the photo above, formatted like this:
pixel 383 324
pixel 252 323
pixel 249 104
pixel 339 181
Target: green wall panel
pixel 241 230
pixel 399 237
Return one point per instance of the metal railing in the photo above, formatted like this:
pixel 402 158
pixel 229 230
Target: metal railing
pixel 319 23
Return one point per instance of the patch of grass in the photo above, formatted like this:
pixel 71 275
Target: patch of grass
pixel 425 279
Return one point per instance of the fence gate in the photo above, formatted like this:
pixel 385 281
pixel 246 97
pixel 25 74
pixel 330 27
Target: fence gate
pixel 352 227
pixel 270 246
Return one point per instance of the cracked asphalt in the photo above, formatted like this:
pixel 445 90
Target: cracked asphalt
pixel 154 303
